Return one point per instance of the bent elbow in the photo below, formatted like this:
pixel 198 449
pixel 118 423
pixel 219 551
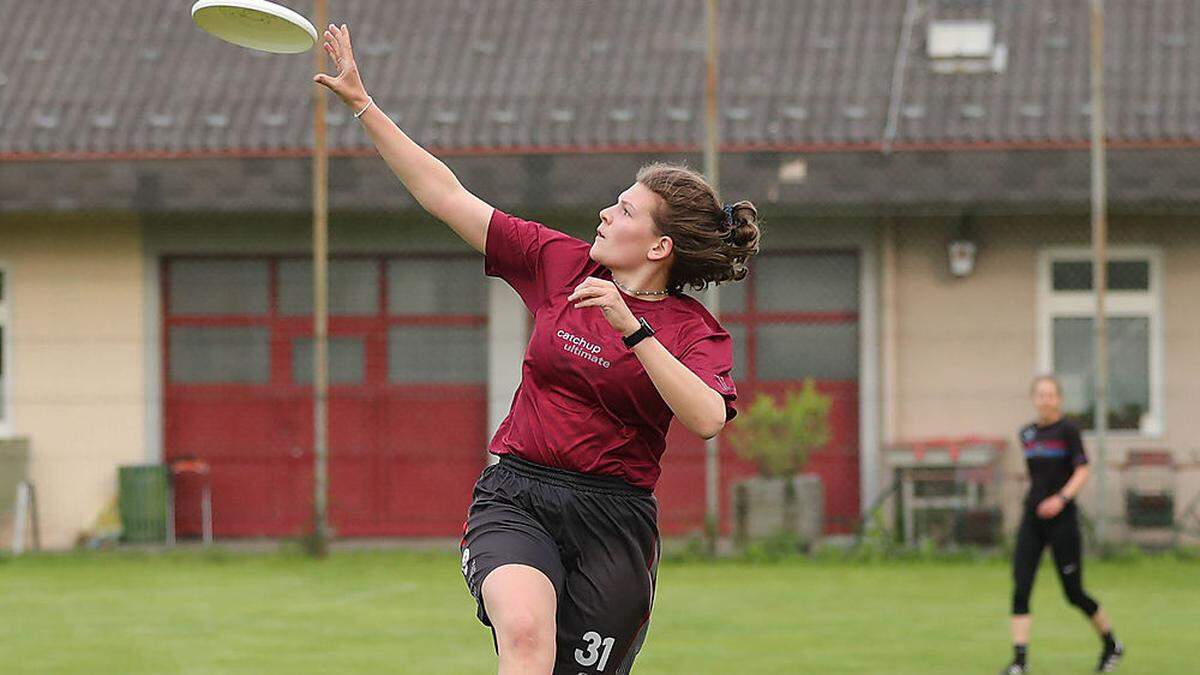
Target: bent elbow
pixel 713 420
pixel 711 428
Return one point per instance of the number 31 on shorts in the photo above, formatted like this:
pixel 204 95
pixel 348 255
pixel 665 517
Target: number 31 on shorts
pixel 598 649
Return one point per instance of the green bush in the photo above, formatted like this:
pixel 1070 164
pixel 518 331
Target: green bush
pixel 778 438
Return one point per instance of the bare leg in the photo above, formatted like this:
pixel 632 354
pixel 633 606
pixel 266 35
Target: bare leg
pixel 521 603
pixel 1020 629
pixel 1101 622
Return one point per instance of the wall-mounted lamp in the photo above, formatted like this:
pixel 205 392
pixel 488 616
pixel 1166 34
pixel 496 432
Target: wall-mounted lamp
pixel 962 257
pixel 962 249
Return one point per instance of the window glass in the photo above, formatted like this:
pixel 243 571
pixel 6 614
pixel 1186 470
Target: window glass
pixel 208 287
pixel 212 354
pixel 452 354
pixel 346 360
pixel 1128 364
pixel 436 286
pixel 353 287
pixel 796 351
pixel 1123 275
pixel 807 282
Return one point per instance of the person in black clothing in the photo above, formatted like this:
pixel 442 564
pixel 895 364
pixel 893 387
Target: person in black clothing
pixel 1058 468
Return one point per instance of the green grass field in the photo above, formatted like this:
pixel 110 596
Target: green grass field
pixel 404 612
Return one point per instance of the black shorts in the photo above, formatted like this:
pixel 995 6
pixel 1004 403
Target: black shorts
pixel 594 537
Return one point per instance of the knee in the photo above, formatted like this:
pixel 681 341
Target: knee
pixel 1082 601
pixel 523 635
pixel 1020 597
pixel 1020 603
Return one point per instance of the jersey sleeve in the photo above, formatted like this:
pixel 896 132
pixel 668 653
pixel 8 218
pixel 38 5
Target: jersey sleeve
pixel 711 358
pixel 1023 437
pixel 1075 446
pixel 531 257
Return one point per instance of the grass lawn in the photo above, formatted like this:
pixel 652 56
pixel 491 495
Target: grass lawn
pixel 405 612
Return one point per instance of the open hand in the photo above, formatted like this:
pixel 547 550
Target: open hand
pixel 1051 506
pixel 347 84
pixel 595 292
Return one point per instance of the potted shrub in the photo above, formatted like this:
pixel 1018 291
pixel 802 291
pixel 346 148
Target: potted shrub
pixel 779 502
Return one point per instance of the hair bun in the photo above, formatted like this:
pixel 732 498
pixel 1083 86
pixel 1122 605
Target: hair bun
pixel 743 226
pixel 713 243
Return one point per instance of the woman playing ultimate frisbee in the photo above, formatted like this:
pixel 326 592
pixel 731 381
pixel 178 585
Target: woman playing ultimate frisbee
pixel 1057 471
pixel 561 542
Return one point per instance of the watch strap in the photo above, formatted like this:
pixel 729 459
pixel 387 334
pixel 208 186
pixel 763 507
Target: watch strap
pixel 638 335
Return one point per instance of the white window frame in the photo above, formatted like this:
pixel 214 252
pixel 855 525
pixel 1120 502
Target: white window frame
pixel 6 383
pixel 1053 304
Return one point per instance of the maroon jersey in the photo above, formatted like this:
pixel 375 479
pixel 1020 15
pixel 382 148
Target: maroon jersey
pixel 585 403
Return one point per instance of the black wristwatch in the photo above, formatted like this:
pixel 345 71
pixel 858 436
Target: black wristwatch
pixel 638 335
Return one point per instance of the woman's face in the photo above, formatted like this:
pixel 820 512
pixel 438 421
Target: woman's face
pixel 1047 399
pixel 626 236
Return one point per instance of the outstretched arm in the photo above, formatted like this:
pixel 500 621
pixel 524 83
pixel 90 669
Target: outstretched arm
pixel 430 181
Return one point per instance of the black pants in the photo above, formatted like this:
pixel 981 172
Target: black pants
pixel 1061 533
pixel 594 537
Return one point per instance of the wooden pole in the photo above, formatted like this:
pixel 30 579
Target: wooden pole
pixel 712 297
pixel 320 185
pixel 1100 262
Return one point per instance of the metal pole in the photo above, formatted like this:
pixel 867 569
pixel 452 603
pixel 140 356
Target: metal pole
pixel 1100 262
pixel 320 308
pixel 712 297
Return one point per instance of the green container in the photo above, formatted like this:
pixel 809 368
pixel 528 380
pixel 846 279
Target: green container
pixel 14 468
pixel 142 496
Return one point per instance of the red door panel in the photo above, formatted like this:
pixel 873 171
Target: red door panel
pixel 402 457
pixel 681 490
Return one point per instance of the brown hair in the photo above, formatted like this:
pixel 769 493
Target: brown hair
pixel 712 243
pixel 1046 378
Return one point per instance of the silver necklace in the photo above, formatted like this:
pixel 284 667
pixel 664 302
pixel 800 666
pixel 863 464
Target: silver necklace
pixel 635 292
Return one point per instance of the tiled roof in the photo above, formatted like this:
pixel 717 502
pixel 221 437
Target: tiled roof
pixel 137 78
pixel 1152 75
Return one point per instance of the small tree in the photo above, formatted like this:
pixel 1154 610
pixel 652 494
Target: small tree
pixel 779 438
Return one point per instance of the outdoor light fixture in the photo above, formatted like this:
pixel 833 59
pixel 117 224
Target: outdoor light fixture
pixel 962 249
pixel 962 257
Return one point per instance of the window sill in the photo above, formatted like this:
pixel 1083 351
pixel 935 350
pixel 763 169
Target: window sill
pixel 1126 435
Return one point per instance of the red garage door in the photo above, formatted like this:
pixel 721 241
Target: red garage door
pixel 407 408
pixel 795 316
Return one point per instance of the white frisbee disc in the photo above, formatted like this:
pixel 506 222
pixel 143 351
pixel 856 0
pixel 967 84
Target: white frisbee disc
pixel 257 24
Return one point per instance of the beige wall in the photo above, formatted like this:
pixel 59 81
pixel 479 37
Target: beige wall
pixel 75 292
pixel 964 353
pixel 966 348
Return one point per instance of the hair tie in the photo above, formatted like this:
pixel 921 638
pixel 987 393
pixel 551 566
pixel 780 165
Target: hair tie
pixel 728 230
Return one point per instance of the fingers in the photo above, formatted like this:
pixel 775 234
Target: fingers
pixel 332 55
pixel 600 302
pixel 593 283
pixel 332 48
pixel 591 303
pixel 342 36
pixel 585 290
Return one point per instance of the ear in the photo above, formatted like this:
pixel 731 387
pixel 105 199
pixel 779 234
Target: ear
pixel 661 250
